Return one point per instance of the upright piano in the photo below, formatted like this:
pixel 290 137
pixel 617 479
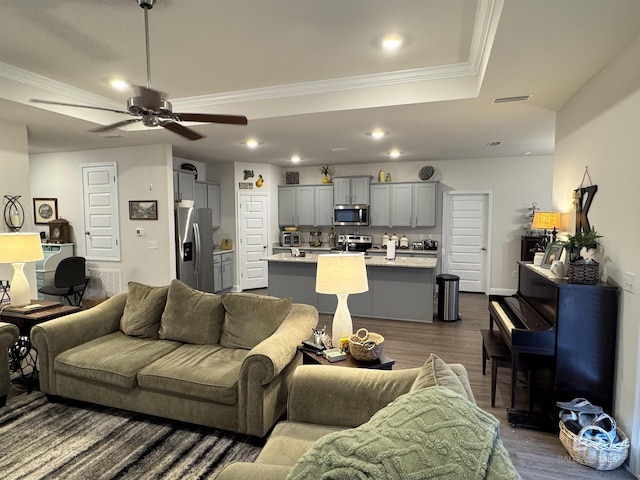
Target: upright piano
pixel 570 330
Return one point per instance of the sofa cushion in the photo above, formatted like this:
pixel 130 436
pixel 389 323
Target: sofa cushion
pixel 191 316
pixel 143 310
pixel 435 372
pixel 251 318
pixel 114 359
pixel 428 433
pixel 209 372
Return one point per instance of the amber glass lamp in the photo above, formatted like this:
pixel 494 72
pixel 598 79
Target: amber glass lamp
pixel 546 221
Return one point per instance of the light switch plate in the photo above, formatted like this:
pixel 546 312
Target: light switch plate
pixel 630 282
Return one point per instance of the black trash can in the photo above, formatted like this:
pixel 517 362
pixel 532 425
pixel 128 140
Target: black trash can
pixel 448 294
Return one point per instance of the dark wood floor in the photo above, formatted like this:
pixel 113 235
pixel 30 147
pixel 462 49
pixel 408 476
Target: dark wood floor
pixel 536 455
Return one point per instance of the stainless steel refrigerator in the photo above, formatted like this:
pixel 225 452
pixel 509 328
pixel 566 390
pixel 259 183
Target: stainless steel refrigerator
pixel 194 247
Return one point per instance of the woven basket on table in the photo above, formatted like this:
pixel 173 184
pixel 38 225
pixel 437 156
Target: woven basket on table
pixel 594 454
pixel 587 273
pixel 365 346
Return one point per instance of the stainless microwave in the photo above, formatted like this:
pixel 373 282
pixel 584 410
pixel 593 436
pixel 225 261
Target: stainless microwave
pixel 351 215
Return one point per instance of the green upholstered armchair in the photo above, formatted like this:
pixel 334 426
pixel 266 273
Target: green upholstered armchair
pixel 8 336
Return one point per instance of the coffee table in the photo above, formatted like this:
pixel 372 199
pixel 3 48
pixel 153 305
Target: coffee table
pixel 22 356
pixel 383 363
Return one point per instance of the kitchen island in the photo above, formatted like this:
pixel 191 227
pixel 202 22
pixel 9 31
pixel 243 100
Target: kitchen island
pixel 400 289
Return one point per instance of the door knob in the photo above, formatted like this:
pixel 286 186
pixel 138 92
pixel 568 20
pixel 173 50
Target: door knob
pixel 87 233
pixel 483 249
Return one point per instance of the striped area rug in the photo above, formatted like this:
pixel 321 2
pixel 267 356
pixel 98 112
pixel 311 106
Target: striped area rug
pixel 73 440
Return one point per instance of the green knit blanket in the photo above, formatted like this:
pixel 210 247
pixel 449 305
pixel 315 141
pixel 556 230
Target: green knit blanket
pixel 425 434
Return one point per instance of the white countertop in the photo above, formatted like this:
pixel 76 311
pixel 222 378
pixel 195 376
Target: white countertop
pixel 373 261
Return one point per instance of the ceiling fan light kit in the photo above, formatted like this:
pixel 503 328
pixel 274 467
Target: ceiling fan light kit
pixel 151 106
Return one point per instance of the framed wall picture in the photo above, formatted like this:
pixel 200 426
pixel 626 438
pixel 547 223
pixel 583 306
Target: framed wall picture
pixel 143 209
pixel 45 210
pixel 553 252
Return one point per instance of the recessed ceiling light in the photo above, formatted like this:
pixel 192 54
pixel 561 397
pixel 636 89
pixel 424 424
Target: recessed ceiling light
pixel 118 83
pixel 377 133
pixel 252 143
pixel 295 158
pixel 392 42
pixel 395 153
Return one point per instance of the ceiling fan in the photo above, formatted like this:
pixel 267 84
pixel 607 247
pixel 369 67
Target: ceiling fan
pixel 151 106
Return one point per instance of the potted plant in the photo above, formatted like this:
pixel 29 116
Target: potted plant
pixel 582 270
pixel 327 171
pixel 575 243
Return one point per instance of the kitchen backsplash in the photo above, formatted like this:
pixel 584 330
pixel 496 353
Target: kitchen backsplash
pixel 413 234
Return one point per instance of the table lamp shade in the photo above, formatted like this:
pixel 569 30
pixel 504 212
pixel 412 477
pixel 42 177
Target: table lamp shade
pixel 546 220
pixel 18 248
pixel 341 274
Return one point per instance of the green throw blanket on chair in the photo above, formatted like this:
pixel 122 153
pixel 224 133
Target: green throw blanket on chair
pixel 432 433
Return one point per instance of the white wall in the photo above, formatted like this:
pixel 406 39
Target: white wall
pixel 14 163
pixel 516 182
pixel 144 173
pixel 598 128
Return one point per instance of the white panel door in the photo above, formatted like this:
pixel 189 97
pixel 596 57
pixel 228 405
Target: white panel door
pixel 100 203
pixel 466 240
pixel 253 220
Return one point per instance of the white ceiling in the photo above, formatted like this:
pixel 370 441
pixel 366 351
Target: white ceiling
pixel 308 73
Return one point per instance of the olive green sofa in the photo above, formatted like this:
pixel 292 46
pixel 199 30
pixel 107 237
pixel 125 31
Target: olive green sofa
pixel 345 423
pixel 224 361
pixel 8 336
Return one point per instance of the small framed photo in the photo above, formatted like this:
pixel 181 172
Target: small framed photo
pixel 45 210
pixel 143 209
pixel 553 252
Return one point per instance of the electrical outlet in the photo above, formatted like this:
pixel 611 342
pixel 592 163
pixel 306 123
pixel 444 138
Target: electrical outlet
pixel 514 274
pixel 630 282
pixel 153 244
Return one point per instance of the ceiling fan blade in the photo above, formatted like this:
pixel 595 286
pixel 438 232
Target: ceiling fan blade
pixel 35 100
pixel 106 128
pixel 181 130
pixel 211 118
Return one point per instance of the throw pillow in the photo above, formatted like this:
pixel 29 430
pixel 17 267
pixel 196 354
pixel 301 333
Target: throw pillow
pixel 142 310
pixel 435 372
pixel 191 316
pixel 251 318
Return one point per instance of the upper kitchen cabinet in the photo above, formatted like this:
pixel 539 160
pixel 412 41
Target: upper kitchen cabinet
pixel 305 205
pixel 183 185
pixel 351 190
pixel 207 195
pixel 403 205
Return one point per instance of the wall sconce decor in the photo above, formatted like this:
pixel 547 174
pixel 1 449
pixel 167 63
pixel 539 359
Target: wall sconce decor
pixel 13 213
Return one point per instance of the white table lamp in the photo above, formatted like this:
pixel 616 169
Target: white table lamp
pixel 341 274
pixel 17 249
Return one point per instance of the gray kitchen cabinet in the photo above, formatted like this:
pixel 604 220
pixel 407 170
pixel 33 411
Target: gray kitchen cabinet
pixel 403 205
pixel 351 190
pixel 379 205
pixel 222 271
pixel 306 205
pixel 207 195
pixel 183 185
pixel 323 208
pixel 424 204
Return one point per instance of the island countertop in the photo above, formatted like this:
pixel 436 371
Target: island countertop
pixel 369 260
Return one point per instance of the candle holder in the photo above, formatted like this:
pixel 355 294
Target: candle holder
pixel 13 213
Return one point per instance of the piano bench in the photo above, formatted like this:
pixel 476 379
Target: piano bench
pixel 494 349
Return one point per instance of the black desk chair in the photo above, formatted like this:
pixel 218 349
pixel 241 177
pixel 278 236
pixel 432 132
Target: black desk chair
pixel 69 281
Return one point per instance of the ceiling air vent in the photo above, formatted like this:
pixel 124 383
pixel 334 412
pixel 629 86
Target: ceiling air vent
pixel 496 143
pixel 518 98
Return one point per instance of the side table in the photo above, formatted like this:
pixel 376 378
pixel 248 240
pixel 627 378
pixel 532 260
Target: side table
pixel 22 356
pixel 310 358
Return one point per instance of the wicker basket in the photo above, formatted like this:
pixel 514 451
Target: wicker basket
pixel 587 273
pixel 594 454
pixel 365 346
